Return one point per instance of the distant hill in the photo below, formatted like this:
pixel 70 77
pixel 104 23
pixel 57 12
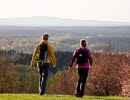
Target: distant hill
pixel 54 21
pixel 29 31
pixel 25 38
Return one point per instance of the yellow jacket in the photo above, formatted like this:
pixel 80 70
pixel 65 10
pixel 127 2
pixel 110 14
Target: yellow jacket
pixel 50 56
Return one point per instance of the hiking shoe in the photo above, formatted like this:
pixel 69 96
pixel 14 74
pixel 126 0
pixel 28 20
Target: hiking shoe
pixel 81 95
pixel 77 95
pixel 41 93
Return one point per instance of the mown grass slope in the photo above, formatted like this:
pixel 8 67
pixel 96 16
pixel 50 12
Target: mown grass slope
pixel 56 97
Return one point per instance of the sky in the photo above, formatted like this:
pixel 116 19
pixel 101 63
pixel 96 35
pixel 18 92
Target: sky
pixel 105 10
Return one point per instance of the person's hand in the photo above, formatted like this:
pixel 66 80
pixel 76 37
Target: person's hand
pixel 90 66
pixel 54 66
pixel 31 67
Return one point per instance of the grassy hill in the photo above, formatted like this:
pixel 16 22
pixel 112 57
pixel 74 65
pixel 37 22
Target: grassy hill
pixel 56 97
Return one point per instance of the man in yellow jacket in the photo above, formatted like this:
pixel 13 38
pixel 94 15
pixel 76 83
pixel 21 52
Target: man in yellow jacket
pixel 43 65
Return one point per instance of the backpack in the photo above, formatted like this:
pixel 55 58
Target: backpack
pixel 42 55
pixel 81 56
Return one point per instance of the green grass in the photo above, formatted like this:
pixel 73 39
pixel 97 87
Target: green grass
pixel 56 97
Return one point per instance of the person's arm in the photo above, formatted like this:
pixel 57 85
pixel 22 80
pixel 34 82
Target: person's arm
pixel 34 55
pixel 90 57
pixel 51 53
pixel 73 58
pixel 90 61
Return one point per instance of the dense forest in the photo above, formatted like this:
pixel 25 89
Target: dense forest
pixel 63 38
pixel 27 45
pixel 109 74
pixel 20 58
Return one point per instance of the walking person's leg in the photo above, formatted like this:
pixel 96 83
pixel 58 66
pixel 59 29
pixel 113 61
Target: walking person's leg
pixel 43 74
pixel 44 77
pixel 77 93
pixel 40 71
pixel 83 81
pixel 78 86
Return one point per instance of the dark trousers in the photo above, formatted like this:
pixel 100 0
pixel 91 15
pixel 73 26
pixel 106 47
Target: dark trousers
pixel 83 74
pixel 43 74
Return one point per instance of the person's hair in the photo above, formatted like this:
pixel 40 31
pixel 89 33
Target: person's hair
pixel 83 43
pixel 45 36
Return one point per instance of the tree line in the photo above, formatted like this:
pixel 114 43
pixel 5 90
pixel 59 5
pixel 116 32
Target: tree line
pixel 109 74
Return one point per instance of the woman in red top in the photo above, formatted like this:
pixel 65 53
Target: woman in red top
pixel 84 61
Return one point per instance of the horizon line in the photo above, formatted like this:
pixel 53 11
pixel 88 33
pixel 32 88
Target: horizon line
pixel 65 18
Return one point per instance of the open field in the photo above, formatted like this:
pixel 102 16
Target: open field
pixel 56 97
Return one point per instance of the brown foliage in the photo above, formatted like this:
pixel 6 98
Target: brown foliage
pixel 107 76
pixel 63 82
pixel 9 79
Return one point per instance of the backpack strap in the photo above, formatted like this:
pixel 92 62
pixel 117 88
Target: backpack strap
pixel 78 51
pixel 45 53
